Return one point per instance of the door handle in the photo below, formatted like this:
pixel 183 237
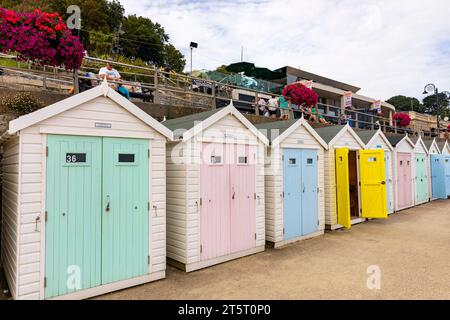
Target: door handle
pixel 234 194
pixel 108 204
pixel 383 183
pixel 304 188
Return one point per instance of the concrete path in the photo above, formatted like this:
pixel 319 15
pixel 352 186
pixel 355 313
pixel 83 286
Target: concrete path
pixel 412 250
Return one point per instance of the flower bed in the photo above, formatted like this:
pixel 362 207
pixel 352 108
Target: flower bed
pixel 402 119
pixel 40 37
pixel 300 95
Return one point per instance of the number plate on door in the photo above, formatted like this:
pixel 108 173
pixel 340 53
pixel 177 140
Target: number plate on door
pixel 76 158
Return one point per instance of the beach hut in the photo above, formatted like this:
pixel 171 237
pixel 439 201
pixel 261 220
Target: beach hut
pixel 295 207
pixel 377 140
pixel 435 184
pixel 422 171
pixel 444 146
pixel 215 189
pixel 404 171
pixel 83 198
pixel 355 186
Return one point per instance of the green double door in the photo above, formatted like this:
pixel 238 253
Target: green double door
pixel 96 212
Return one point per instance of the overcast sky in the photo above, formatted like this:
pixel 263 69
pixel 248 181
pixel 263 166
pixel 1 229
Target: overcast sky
pixel 386 47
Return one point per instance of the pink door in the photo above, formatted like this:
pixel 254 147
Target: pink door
pixel 243 193
pixel 215 202
pixel 404 190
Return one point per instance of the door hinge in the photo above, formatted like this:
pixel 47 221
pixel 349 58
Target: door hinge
pixel 359 183
pixel 149 153
pixel 360 211
pixel 256 236
pixel 283 194
pixel 317 158
pixel 318 222
pixel 46 216
pixel 148 260
pixel 45 282
pixel 148 207
pixel 282 158
pixel 255 196
pixel 284 230
pixel 46 151
pixel 201 249
pixel 201 201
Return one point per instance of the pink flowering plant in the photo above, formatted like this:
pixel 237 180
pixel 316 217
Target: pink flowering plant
pixel 40 37
pixel 402 119
pixel 300 95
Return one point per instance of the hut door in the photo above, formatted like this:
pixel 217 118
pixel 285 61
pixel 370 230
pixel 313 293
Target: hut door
pixel 97 209
pixel 343 188
pixel 447 174
pixel 73 206
pixel 310 199
pixel 125 209
pixel 243 197
pixel 292 193
pixel 421 179
pixel 215 202
pixel 438 179
pixel 373 183
pixel 404 180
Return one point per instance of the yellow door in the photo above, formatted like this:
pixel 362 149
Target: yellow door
pixel 343 188
pixel 372 168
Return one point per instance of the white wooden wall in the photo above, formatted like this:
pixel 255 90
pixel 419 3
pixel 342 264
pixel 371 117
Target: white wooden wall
pixel 10 219
pixel 346 141
pixel 275 183
pixel 80 120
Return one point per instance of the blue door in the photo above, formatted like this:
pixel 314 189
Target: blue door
pixel 447 175
pixel 438 176
pixel 309 192
pixel 300 193
pixel 292 193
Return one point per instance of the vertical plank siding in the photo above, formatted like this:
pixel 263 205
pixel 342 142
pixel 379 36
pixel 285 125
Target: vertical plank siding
pixel 32 194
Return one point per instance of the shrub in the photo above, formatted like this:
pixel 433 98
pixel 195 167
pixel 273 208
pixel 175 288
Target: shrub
pixel 21 103
pixel 40 37
pixel 301 95
pixel 402 119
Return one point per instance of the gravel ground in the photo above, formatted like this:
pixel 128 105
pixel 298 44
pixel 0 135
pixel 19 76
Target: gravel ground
pixel 411 249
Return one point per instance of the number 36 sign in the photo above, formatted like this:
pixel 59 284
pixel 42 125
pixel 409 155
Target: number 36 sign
pixel 75 157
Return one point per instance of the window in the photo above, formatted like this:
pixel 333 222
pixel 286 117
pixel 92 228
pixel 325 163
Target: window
pixel 310 161
pixel 243 160
pixel 292 161
pixel 408 163
pixel 126 158
pixel 372 159
pixel 401 162
pixel 216 159
pixel 76 158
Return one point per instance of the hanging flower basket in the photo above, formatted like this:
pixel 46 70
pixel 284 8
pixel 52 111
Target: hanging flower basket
pixel 402 119
pixel 300 95
pixel 40 37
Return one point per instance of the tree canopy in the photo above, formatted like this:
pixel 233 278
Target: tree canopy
pixel 428 105
pixel 140 37
pixel 403 103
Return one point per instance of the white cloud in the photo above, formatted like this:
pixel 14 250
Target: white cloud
pixel 386 47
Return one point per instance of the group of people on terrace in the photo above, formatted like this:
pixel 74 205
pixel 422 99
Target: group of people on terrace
pixel 269 108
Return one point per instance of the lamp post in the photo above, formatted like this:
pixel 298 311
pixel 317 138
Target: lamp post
pixel 431 88
pixel 192 46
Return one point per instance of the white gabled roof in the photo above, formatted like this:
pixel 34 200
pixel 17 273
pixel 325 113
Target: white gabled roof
pixel 204 124
pixel 349 129
pixel 381 134
pixel 420 142
pixel 76 100
pixel 300 123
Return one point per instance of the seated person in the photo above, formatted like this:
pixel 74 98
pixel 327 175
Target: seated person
pixel 111 74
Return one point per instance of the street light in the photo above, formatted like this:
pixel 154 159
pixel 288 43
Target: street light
pixel 192 46
pixel 431 88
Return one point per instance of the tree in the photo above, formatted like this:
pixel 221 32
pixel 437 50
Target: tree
pixel 174 58
pixel 222 69
pixel 403 103
pixel 143 39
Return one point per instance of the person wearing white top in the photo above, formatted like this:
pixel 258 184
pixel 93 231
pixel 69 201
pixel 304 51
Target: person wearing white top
pixel 109 72
pixel 273 106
